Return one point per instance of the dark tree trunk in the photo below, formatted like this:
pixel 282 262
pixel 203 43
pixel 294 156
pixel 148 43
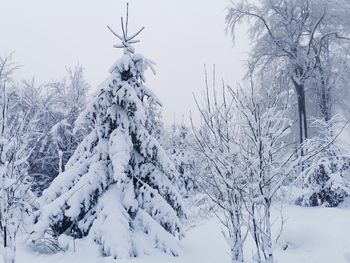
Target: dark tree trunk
pixel 304 112
pixel 303 130
pixel 324 95
pixel 5 237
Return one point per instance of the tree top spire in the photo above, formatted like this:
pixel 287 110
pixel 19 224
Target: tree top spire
pixel 126 39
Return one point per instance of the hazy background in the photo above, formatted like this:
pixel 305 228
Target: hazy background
pixel 180 36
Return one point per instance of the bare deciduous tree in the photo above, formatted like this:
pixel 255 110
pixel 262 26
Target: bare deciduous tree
pixel 243 140
pixel 15 137
pixel 219 179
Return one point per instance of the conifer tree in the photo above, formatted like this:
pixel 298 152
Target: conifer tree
pixel 154 122
pixel 181 150
pixel 117 188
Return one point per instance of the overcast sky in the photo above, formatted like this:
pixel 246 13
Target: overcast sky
pixel 180 36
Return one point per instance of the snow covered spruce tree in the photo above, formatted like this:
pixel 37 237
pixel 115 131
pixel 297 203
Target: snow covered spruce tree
pixel 117 188
pixel 154 121
pixel 182 153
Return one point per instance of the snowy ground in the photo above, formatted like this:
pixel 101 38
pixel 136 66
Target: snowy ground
pixel 313 235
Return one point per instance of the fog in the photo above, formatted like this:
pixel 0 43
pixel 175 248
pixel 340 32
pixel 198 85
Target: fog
pixel 180 36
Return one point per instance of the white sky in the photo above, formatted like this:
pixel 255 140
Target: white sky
pixel 180 36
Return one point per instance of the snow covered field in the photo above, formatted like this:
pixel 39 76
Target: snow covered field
pixel 313 235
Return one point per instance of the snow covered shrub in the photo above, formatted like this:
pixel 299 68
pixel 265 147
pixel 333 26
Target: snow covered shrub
pixel 118 187
pixel 326 175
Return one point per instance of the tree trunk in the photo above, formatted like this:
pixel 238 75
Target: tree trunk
pixel 268 240
pixel 234 226
pixel 5 237
pixel 324 94
pixel 236 240
pixel 255 233
pixel 304 112
pixel 303 130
